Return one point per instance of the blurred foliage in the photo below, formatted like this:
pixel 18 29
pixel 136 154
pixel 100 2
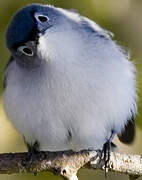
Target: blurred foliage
pixel 123 18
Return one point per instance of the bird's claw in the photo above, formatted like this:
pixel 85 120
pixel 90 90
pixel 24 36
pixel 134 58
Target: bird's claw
pixel 105 155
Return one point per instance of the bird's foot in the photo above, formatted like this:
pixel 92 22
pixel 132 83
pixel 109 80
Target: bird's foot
pixel 105 155
pixel 33 154
pixel 33 151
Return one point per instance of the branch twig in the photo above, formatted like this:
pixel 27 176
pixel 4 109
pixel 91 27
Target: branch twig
pixel 68 163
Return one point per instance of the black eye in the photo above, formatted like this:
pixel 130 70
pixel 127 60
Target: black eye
pixel 42 18
pixel 26 50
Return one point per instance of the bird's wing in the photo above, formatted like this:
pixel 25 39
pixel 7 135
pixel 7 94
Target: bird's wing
pixel 5 74
pixel 128 134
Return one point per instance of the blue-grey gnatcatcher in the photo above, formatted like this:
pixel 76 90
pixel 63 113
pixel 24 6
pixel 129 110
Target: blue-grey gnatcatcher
pixel 67 84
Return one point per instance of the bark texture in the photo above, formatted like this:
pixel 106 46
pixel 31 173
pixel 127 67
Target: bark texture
pixel 67 163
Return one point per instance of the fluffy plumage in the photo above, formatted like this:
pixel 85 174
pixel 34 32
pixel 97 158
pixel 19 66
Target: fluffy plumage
pixel 77 87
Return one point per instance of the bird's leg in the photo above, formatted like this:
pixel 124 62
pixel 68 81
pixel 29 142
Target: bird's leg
pixel 33 151
pixel 105 153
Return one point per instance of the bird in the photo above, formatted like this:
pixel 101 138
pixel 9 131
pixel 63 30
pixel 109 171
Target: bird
pixel 68 84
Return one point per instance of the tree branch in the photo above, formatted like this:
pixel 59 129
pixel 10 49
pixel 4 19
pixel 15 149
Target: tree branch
pixel 68 163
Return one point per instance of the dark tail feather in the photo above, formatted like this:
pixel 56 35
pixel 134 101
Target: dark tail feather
pixel 128 134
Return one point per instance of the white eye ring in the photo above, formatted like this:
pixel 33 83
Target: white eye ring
pixel 26 50
pixel 42 18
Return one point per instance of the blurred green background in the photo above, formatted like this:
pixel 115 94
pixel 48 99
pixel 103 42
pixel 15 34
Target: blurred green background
pixel 124 19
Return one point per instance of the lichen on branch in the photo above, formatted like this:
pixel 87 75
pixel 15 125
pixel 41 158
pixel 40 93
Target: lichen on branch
pixel 67 163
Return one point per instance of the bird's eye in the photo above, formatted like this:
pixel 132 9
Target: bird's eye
pixel 42 18
pixel 26 50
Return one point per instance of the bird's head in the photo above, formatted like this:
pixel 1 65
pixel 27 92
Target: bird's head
pixel 44 32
